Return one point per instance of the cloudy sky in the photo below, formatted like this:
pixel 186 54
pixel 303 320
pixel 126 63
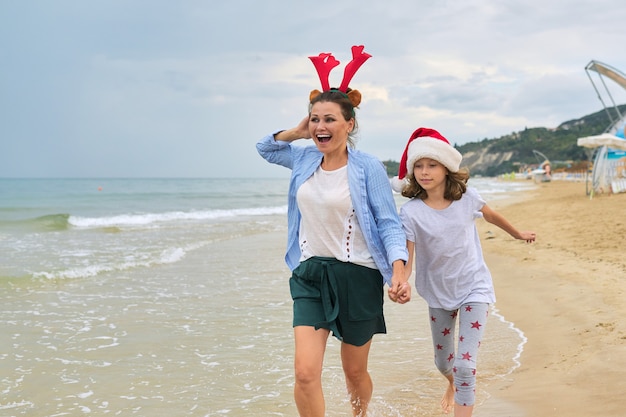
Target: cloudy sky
pixel 159 88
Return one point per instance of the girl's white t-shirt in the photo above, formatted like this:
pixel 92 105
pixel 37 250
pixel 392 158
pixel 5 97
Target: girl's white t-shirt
pixel 449 266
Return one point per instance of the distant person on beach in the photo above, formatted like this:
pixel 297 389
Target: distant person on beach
pixel 547 170
pixel 345 240
pixel 450 272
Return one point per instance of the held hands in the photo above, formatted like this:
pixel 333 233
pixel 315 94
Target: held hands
pixel 399 292
pixel 400 289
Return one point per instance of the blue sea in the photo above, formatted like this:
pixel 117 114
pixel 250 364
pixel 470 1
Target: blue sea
pixel 169 297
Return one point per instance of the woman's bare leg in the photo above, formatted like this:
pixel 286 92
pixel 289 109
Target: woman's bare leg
pixel 309 357
pixel 358 380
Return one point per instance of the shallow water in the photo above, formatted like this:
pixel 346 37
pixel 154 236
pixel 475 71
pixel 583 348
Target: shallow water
pixel 185 317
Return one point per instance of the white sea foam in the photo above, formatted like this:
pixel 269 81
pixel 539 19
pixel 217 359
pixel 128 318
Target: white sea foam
pixel 16 404
pixel 172 255
pixel 523 339
pixel 143 219
pixel 167 256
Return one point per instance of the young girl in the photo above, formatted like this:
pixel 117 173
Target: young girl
pixel 450 272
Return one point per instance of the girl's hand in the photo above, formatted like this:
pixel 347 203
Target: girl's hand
pixel 404 293
pixel 529 237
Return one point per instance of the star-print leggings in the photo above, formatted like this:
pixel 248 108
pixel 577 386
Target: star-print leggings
pixel 472 319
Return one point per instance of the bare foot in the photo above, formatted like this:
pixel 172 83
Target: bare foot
pixel 447 402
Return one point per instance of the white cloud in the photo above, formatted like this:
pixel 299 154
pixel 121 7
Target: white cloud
pixel 155 88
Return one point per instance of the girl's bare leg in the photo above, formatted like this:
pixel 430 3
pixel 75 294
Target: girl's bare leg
pixel 448 404
pixel 463 410
pixel 447 401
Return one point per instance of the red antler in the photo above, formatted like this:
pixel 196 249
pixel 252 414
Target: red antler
pixel 324 63
pixel 358 58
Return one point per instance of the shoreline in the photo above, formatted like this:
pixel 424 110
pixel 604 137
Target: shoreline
pixel 565 293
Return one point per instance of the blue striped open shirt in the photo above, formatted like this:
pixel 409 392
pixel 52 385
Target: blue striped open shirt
pixel 370 192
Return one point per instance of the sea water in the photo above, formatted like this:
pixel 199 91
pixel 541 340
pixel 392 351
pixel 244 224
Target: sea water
pixel 169 297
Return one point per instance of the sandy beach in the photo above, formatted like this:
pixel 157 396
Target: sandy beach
pixel 566 293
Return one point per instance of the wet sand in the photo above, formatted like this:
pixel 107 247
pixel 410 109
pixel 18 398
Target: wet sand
pixel 566 293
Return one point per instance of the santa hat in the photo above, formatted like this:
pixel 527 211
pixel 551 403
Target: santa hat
pixel 429 144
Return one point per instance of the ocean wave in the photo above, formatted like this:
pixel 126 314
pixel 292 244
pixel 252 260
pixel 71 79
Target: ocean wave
pixel 145 219
pixel 15 404
pixel 51 222
pixel 167 256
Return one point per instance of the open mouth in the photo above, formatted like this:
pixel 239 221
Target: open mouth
pixel 323 138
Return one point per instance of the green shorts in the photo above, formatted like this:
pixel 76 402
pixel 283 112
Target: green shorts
pixel 339 296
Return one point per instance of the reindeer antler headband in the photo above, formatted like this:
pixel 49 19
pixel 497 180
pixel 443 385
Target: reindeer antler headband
pixel 325 62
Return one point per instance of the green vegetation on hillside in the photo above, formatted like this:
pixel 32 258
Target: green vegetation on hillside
pixel 559 145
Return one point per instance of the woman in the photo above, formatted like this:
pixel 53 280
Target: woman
pixel 345 240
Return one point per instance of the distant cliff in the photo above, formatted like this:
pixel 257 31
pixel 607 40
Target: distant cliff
pixel 514 152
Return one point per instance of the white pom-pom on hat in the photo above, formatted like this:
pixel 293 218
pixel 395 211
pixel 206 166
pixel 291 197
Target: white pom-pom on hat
pixel 398 184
